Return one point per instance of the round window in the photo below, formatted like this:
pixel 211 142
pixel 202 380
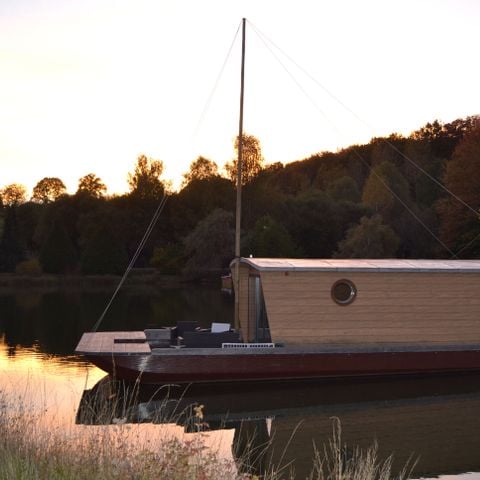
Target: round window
pixel 344 292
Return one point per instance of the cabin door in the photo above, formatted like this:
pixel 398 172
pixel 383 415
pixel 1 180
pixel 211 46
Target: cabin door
pixel 259 330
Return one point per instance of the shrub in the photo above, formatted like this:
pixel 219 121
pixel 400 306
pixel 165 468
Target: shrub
pixel 29 267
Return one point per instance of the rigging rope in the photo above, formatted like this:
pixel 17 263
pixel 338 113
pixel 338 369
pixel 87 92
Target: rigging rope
pixel 215 86
pixel 144 239
pixel 264 39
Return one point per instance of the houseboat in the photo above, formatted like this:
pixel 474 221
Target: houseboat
pixel 315 318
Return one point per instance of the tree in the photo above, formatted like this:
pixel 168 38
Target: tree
pixel 104 252
pixel 424 190
pixel 312 219
pixel 200 169
pixel 271 239
pixel 92 185
pixel 459 225
pixel 344 189
pixel 377 191
pixel 443 138
pixel 11 249
pixel 252 159
pixel 210 246
pixel 145 180
pixel 58 254
pixel 13 194
pixel 48 189
pixel 198 199
pixel 370 239
pixel 168 259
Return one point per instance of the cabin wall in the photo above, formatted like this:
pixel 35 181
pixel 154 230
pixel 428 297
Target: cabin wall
pixel 407 307
pixel 247 327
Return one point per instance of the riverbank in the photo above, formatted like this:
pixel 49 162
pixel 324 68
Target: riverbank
pixel 30 447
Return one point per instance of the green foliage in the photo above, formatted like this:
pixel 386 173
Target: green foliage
pixel 313 222
pixel 58 254
pixel 271 239
pixel 370 239
pixel 329 170
pixel 29 267
pixel 196 200
pixel 344 189
pixel 28 217
pixel 424 190
pixel 444 138
pixel 168 259
pixel 11 249
pixel 210 247
pixel 104 252
pixel 378 197
pixel 460 226
pixel 314 201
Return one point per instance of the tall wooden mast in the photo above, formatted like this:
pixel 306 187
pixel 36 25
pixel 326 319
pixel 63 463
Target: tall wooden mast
pixel 238 215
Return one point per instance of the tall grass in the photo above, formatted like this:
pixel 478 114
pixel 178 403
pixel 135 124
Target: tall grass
pixel 336 461
pixel 32 449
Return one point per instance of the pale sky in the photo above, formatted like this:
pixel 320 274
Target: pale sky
pixel 88 85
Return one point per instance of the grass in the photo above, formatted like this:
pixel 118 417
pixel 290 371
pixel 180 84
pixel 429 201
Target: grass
pixel 31 449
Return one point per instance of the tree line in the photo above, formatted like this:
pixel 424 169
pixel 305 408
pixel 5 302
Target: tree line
pixel 403 197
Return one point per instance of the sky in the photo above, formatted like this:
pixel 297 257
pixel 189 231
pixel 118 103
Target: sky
pixel 86 86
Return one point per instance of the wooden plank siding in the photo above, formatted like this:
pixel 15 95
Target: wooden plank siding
pixel 247 325
pixel 390 307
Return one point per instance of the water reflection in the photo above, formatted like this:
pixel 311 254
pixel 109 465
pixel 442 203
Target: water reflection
pixel 434 419
pixel 55 320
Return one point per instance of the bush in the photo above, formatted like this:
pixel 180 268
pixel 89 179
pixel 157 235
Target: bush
pixel 29 267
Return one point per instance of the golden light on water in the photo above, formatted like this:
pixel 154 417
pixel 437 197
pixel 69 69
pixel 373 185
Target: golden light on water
pixel 50 389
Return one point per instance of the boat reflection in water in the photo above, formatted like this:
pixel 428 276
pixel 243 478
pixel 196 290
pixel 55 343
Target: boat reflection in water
pixel 433 419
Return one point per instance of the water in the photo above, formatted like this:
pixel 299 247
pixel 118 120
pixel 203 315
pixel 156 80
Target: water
pixel 435 420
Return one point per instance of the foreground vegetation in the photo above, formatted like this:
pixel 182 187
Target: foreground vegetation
pixel 30 449
pixel 405 197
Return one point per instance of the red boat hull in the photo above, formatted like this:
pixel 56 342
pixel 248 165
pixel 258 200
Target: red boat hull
pixel 181 366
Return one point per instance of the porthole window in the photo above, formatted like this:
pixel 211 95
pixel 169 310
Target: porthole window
pixel 344 292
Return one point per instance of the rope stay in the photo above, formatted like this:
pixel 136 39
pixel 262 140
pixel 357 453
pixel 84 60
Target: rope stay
pixel 266 39
pixel 215 86
pixel 134 258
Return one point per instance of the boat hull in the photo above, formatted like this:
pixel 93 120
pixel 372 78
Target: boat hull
pixel 218 366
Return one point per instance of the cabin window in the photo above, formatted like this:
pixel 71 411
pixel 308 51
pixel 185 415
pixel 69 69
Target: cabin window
pixel 344 292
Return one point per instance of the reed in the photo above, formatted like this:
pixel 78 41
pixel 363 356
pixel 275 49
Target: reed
pixel 32 449
pixel 337 461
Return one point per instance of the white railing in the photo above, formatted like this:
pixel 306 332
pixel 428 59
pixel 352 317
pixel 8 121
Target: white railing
pixel 248 345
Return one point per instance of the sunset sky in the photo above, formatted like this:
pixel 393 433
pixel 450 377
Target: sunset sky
pixel 87 86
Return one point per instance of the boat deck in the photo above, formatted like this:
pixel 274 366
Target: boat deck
pixel 319 349
pixel 134 343
pixel 118 343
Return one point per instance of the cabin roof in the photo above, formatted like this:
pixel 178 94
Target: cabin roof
pixel 361 265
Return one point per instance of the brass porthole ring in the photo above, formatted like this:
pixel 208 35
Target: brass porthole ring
pixel 343 292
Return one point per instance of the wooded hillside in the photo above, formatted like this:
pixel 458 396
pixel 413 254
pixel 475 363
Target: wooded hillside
pixel 405 197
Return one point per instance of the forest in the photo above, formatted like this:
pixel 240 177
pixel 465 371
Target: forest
pixel 395 197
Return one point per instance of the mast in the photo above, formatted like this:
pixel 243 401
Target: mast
pixel 238 214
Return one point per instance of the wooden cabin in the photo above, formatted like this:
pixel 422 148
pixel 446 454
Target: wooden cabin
pixel 359 302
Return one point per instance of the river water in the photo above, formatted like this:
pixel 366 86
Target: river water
pixel 436 421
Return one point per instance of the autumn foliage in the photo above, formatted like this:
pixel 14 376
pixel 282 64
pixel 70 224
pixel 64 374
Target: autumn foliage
pixel 407 197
